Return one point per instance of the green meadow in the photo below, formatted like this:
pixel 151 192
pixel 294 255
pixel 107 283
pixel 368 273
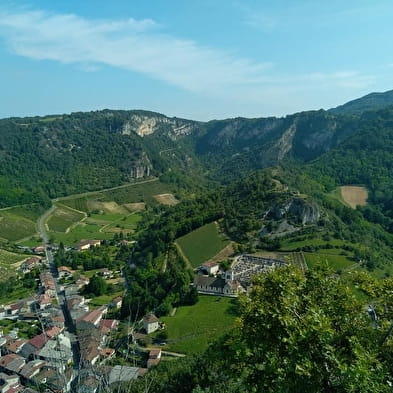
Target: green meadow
pixel 193 328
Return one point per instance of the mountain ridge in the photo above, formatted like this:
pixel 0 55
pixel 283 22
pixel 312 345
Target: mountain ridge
pixel 100 149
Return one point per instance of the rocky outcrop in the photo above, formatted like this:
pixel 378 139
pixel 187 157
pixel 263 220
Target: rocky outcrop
pixel 141 168
pixel 144 125
pixel 296 210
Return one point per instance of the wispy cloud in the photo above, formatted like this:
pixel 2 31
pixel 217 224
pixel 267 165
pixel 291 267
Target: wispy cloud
pixel 142 46
pixel 256 18
pixel 344 79
pixel 135 45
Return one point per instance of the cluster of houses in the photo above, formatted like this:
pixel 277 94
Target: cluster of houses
pixel 43 359
pixel 47 359
pixel 210 279
pixel 94 334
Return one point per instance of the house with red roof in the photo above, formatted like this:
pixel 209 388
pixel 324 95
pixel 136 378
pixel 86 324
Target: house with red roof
pixel 14 346
pixel 29 264
pixel 44 301
pixel 12 363
pixel 92 317
pixel 210 267
pixel 39 249
pixel 108 325
pixel 53 332
pixel 64 272
pixel 34 345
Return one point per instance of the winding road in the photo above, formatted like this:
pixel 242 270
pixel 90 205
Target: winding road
pixel 42 224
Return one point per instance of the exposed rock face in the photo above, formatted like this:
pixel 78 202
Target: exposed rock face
pixel 296 210
pixel 145 125
pixel 141 168
pixel 284 144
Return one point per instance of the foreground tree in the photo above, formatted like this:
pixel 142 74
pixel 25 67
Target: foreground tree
pixel 308 333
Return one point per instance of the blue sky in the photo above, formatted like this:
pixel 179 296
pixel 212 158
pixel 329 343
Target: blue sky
pixel 196 59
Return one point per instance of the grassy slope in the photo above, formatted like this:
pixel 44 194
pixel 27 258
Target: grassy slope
pixel 143 192
pixel 14 226
pixel 194 327
pixel 202 244
pixel 9 263
pixel 335 261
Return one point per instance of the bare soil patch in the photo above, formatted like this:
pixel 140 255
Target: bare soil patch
pixel 107 207
pixel 223 254
pixel 166 199
pixel 354 195
pixel 135 207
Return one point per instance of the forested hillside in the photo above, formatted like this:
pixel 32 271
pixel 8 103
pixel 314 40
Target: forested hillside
pixel 364 158
pixel 52 156
pixel 47 157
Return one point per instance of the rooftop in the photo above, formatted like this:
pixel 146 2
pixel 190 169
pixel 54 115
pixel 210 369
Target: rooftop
pixel 123 374
pixel 15 345
pixel 39 341
pixel 150 318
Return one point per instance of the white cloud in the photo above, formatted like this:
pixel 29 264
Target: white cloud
pixel 135 45
pixel 141 46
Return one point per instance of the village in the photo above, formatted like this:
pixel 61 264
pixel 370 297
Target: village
pixel 75 344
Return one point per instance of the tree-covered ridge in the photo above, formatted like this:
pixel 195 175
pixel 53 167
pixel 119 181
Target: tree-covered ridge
pixel 370 102
pixel 61 155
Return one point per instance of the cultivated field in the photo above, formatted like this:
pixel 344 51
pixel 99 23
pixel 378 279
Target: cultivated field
pixel 106 207
pixel 202 244
pixel 137 193
pixel 98 226
pixel 290 245
pixel 133 197
pixel 354 195
pixel 192 328
pixel 63 218
pixel 17 224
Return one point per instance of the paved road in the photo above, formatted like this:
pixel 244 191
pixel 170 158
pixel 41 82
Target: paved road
pixel 69 326
pixel 41 224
